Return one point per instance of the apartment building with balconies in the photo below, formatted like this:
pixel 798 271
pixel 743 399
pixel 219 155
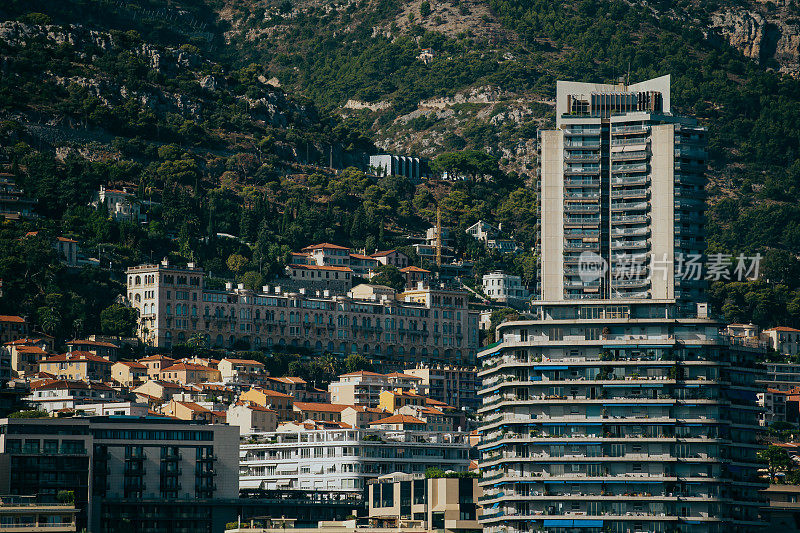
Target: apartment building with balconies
pixel 622 182
pixel 342 461
pixel 618 415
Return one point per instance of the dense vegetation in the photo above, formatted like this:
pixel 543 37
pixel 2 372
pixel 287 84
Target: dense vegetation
pixel 234 168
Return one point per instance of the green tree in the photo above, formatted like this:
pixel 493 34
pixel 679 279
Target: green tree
pixel 252 280
pixel 499 316
pixel 119 320
pixel 390 276
pixel 356 363
pixel 776 459
pixel 237 263
pixel 425 9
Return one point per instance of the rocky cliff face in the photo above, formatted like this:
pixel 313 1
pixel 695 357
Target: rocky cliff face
pixel 770 37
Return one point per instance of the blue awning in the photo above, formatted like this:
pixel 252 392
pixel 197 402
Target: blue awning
pixel 555 522
pixel 566 522
pixel 549 367
pixel 493 447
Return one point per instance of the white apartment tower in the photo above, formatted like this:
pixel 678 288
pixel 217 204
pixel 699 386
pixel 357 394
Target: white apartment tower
pixel 621 406
pixel 621 178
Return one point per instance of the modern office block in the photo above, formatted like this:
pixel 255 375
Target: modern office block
pixel 622 182
pixel 447 505
pixel 618 415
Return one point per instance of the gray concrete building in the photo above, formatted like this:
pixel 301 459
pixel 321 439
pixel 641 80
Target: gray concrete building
pixel 622 182
pixel 618 415
pixel 621 406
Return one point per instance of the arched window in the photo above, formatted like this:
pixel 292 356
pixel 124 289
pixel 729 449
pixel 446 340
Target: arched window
pixel 231 340
pixel 343 347
pixel 318 346
pixel 219 341
pixel 330 346
pixel 138 280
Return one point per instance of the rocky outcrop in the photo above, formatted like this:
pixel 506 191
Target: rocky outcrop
pixel 772 39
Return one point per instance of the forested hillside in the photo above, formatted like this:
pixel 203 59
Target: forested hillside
pixel 225 116
pixel 491 84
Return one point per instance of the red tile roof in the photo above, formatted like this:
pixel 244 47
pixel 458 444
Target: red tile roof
pixel 398 419
pixel 382 253
pixel 30 349
pixel 362 373
pixel 288 379
pixel 76 356
pixel 23 341
pixel 325 245
pixel 12 318
pixel 414 269
pixel 194 407
pixel 92 343
pixel 133 364
pixel 783 329
pixel 243 361
pixel 320 407
pixel 156 358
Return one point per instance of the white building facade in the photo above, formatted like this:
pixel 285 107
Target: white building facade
pixel 343 460
pixel 427 325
